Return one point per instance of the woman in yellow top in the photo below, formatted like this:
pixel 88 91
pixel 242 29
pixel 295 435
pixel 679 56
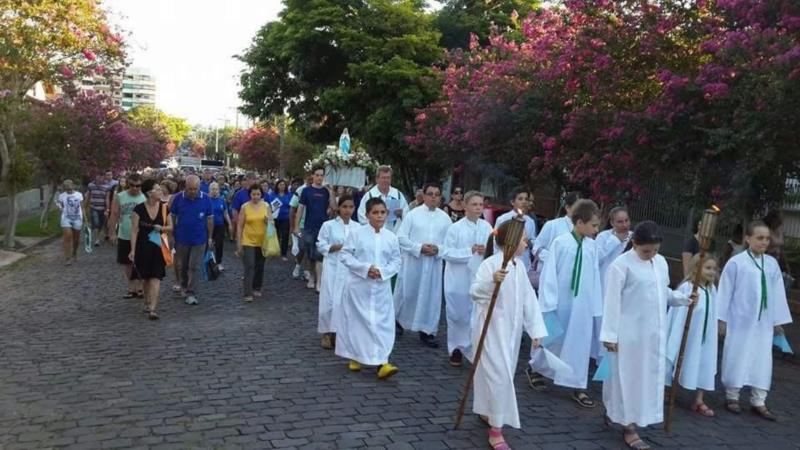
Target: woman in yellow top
pixel 250 234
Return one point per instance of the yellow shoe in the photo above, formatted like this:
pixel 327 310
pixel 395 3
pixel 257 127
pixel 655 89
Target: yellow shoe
pixel 387 370
pixel 354 366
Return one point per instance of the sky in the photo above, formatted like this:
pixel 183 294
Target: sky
pixel 188 45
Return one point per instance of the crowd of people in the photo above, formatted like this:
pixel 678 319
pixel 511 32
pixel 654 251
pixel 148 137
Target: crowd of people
pixel 383 266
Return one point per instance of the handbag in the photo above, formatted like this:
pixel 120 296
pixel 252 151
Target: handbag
pixel 210 267
pixel 166 251
pixel 270 247
pixel 87 239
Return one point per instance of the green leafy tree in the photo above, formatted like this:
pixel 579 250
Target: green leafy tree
pixel 170 130
pixel 458 19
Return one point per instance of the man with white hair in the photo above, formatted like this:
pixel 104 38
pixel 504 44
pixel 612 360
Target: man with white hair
pixel 394 199
pixel 193 219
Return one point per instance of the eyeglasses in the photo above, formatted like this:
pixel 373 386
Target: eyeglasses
pixel 434 194
pixel 456 192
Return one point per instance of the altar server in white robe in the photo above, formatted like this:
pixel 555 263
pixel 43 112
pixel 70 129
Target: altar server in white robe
pixel 521 200
pixel 700 357
pixel 364 322
pixel 465 242
pixel 570 298
pixel 418 292
pixel 752 301
pixel 635 333
pixel 516 310
pixel 553 229
pixel 330 241
pixel 610 244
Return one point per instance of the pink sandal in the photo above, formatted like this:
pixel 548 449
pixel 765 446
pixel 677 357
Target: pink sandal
pixel 502 445
pixel 703 409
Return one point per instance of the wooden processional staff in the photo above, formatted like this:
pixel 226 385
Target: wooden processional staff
pixel 706 232
pixel 516 228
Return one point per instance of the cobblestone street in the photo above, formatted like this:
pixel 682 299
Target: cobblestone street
pixel 82 368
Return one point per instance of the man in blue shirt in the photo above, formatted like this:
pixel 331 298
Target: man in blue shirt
pixel 193 218
pixel 317 202
pixel 205 183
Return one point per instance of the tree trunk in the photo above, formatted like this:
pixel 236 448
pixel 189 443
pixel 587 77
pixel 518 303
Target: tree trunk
pixel 7 142
pixel 11 223
pixel 45 217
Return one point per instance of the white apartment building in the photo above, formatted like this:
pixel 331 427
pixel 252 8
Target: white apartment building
pixel 138 88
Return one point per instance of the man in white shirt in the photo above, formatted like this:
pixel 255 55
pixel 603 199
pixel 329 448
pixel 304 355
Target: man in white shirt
pixel 69 202
pixel 394 199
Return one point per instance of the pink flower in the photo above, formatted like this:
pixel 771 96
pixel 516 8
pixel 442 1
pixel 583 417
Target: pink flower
pixel 88 54
pixel 549 143
pixel 66 71
pixel 714 91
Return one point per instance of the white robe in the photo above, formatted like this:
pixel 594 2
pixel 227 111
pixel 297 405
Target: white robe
pixel 575 313
pixel 334 273
pixel 516 310
pixel 700 358
pixel 551 230
pixel 747 355
pixel 418 291
pixel 530 230
pixel 609 247
pixel 365 320
pixel 635 318
pixel 458 274
pixel 395 199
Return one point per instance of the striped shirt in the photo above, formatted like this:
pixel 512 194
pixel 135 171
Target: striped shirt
pixel 97 196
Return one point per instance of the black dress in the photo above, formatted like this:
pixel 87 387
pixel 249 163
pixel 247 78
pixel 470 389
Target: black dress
pixel 148 261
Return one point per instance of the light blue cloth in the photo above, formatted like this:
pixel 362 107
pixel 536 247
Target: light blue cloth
pixel 554 329
pixel 603 372
pixel 154 237
pixel 782 343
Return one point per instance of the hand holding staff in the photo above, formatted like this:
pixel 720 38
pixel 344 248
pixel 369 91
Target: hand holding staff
pixel 516 228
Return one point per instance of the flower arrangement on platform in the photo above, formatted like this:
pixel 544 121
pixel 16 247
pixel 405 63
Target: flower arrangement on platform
pixel 333 157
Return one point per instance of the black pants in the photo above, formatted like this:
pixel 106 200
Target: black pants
pixel 253 262
pixel 219 241
pixel 282 227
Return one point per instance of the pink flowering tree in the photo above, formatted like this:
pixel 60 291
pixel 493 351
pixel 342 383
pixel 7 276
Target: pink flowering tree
pixel 258 148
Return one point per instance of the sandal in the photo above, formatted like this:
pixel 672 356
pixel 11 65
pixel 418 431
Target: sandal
pixel 501 445
pixel 733 406
pixel 536 381
pixel 130 294
pixel 764 412
pixel 152 316
pixel 583 400
pixel 703 409
pixel 635 444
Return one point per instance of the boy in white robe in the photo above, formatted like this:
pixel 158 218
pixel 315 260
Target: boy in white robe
pixel 516 310
pixel 521 200
pixel 364 323
pixel 610 244
pixel 635 334
pixel 465 241
pixel 752 302
pixel 418 291
pixel 700 356
pixel 570 298
pixel 330 242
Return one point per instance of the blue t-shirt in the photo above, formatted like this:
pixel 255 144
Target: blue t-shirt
pixel 316 203
pixel 192 218
pixel 218 206
pixel 204 187
pixel 283 213
pixel 241 197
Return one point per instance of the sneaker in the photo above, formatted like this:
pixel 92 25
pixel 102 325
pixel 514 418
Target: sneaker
pixel 310 284
pixel 326 341
pixel 457 358
pixel 307 275
pixel 354 366
pixel 248 299
pixel 176 288
pixel 97 243
pixel 387 370
pixel 284 259
pixel 191 300
pixel 221 269
pixel 296 271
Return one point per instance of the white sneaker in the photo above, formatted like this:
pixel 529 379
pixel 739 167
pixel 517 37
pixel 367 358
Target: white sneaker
pixel 310 284
pixel 296 271
pixel 307 276
pixel 221 269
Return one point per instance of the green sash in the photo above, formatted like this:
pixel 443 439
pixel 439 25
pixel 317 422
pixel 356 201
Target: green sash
pixel 577 266
pixel 763 305
pixel 705 321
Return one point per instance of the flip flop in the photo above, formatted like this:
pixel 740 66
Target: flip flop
pixel 583 400
pixel 703 410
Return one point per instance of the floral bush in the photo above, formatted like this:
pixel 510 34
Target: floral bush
pixel 333 157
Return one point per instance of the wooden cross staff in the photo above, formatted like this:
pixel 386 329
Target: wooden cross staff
pixel 516 228
pixel 706 231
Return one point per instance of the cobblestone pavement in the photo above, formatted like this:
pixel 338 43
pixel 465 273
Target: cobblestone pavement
pixel 82 368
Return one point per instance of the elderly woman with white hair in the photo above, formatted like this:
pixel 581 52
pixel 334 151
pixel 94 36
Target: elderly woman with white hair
pixel 222 221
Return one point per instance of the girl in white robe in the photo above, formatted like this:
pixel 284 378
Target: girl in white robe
pixel 516 309
pixel 330 241
pixel 570 297
pixel 700 358
pixel 364 323
pixel 553 229
pixel 635 334
pixel 465 241
pixel 752 302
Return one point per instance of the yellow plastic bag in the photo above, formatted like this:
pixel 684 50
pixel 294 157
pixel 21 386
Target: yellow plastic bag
pixel 270 247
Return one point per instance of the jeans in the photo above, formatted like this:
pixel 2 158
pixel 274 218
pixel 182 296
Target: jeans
pixel 282 227
pixel 97 218
pixel 253 262
pixel 190 257
pixel 219 241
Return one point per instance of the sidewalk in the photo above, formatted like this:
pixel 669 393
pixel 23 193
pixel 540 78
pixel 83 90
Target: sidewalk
pixel 23 245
